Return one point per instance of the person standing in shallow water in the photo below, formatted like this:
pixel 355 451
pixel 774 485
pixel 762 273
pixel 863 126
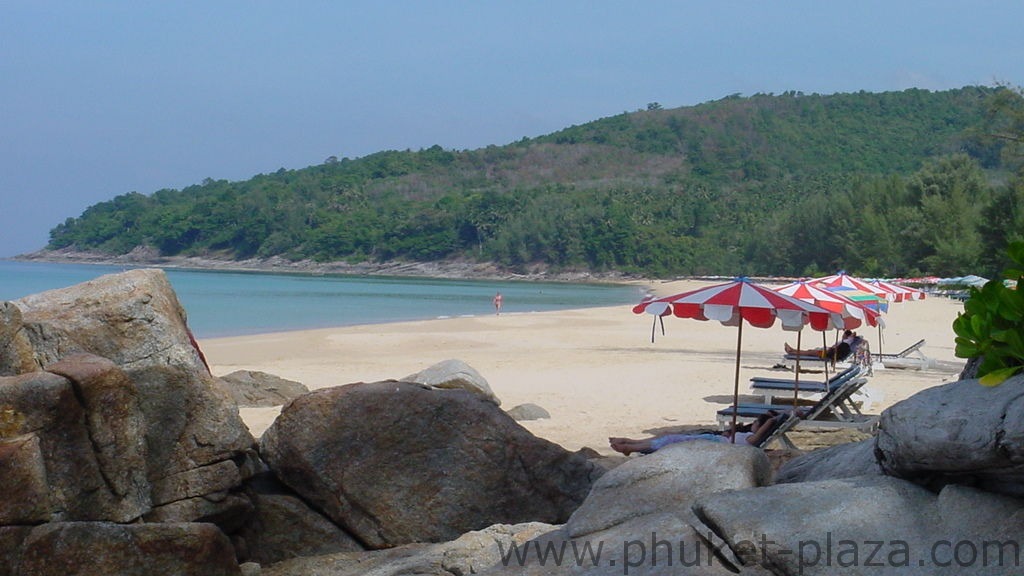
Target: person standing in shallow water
pixel 497 303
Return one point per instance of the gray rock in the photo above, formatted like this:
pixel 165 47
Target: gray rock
pixel 228 510
pixel 210 479
pixel 968 513
pixel 840 461
pixel 284 527
pixel 669 480
pixel 472 553
pixel 193 423
pixel 100 548
pixel 961 432
pixel 827 527
pixel 656 545
pixel 15 349
pixel 255 389
pixel 26 498
pixel 11 540
pixel 980 532
pixel 83 480
pixel 133 319
pixel 115 425
pixel 138 413
pixel 454 375
pixel 524 412
pixel 395 462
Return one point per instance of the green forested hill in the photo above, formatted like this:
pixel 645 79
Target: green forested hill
pixel 881 184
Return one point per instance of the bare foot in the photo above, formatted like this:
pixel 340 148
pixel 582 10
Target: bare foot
pixel 623 445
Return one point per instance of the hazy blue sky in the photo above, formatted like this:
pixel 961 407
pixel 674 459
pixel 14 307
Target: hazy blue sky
pixel 101 98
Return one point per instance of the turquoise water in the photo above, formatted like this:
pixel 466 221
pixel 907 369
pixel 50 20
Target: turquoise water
pixel 236 303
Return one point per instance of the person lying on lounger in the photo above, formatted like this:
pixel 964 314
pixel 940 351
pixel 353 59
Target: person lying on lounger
pixel 833 353
pixel 752 435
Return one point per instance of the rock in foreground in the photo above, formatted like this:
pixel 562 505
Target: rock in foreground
pixel 396 462
pixel 960 433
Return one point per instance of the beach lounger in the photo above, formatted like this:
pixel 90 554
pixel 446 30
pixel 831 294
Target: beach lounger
pixel 779 434
pixel 859 354
pixel 835 410
pixel 910 358
pixel 814 364
pixel 780 387
pixel 838 404
pixel 913 348
pixel 781 424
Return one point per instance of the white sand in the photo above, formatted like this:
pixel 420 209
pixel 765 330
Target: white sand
pixel 595 370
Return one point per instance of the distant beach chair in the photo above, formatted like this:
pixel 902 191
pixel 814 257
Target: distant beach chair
pixel 909 358
pixel 913 348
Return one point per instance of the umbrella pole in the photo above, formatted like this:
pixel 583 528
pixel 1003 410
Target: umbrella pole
pixel 879 339
pixel 796 381
pixel 736 384
pixel 654 326
pixel 824 346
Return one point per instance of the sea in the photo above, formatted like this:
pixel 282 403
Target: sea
pixel 231 303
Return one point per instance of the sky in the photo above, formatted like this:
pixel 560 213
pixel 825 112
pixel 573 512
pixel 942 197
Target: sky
pixel 102 98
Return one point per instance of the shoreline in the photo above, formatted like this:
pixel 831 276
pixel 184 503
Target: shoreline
pixel 460 270
pixel 631 291
pixel 448 270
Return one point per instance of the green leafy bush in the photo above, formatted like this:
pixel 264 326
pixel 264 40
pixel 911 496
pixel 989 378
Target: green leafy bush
pixel 992 325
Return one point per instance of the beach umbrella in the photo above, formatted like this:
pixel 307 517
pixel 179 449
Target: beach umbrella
pixel 855 307
pixel 736 303
pixel 892 293
pixel 858 290
pixel 895 293
pixel 869 300
pixel 853 314
pixel 899 293
pixel 659 317
pixel 843 280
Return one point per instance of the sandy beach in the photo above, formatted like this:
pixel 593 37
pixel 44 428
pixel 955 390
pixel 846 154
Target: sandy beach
pixel 595 370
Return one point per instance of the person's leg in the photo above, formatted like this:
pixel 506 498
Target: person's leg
pixel 661 441
pixel 810 352
pixel 647 445
pixel 627 445
pixel 798 352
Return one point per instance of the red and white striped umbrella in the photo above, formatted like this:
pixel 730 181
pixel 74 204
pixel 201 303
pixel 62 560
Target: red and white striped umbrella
pixel 730 302
pixel 737 301
pixel 878 288
pixel 844 280
pixel 853 313
pixel 897 293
